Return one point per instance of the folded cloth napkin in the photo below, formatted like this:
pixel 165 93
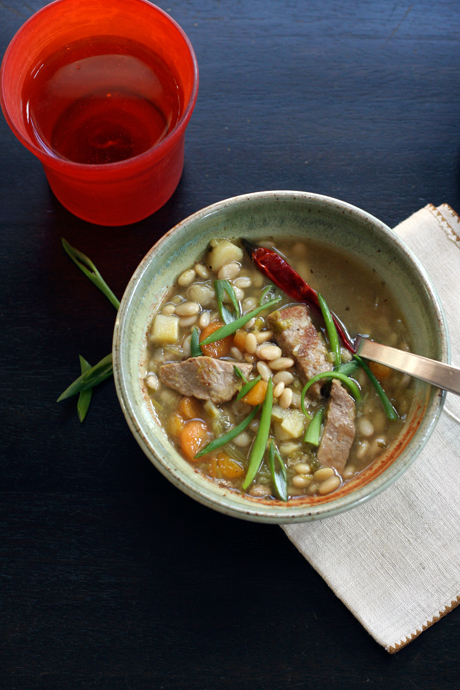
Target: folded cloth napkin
pixel 395 561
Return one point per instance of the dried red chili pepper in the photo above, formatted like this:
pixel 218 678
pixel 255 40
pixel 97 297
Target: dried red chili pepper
pixel 277 269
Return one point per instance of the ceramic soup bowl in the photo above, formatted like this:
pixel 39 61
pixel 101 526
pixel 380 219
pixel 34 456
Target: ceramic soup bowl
pixel 265 214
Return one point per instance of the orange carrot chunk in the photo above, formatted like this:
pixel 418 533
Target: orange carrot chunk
pixel 221 348
pixel 380 371
pixel 256 395
pixel 189 408
pixel 193 437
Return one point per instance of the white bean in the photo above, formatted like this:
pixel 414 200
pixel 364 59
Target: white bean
pixel 187 309
pixel 200 293
pixel 285 399
pixel 264 371
pixel 281 363
pixel 365 426
pixel 229 271
pixel 322 474
pixel 250 344
pixel 329 485
pixel 269 352
pixel 302 468
pixel 152 382
pixel 348 472
pixel 242 440
pixel 362 450
pixel 186 346
pixel 278 389
pixel 202 271
pixel 283 376
pixel 186 277
pixel 242 282
pixel 185 321
pixel 236 354
pixel 168 309
pixel 300 481
pixel 249 324
pixel 204 319
pixel 249 358
pixel 249 304
pixel 263 336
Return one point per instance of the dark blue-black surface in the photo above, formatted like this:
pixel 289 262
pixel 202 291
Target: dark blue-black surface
pixel 109 576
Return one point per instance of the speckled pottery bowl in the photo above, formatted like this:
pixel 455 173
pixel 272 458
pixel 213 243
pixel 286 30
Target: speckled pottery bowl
pixel 267 214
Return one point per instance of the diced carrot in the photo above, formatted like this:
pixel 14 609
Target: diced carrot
pixel 175 424
pixel 221 348
pixel 239 339
pixel 189 408
pixel 256 395
pixel 213 468
pixel 221 465
pixel 380 371
pixel 230 469
pixel 193 437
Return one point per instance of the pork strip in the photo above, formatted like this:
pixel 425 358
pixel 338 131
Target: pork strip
pixel 339 430
pixel 298 338
pixel 205 378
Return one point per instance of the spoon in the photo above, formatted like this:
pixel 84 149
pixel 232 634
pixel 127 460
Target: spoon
pixel 437 373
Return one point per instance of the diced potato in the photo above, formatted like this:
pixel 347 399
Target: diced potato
pixel 280 434
pixel 165 329
pixel 223 253
pixel 294 423
pixel 278 413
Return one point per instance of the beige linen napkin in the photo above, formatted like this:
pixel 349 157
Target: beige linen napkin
pixel 395 561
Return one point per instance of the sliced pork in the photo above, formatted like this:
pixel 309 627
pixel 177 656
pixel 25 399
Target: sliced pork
pixel 299 339
pixel 339 430
pixel 205 378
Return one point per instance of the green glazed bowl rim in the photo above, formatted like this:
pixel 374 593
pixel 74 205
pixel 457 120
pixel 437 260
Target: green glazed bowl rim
pixel 129 339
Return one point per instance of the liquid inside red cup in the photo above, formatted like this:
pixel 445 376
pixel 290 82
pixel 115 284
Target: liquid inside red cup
pixel 101 91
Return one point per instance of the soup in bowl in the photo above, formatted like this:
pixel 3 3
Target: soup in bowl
pixel 246 394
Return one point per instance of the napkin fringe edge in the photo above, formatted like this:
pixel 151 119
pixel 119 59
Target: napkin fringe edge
pixel 392 649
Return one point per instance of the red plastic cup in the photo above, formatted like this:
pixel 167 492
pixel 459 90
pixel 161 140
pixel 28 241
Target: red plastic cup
pixel 107 193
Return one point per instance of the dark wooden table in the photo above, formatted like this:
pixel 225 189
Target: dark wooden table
pixel 111 577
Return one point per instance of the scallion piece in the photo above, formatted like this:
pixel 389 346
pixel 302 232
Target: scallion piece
pixel 84 398
pixel 279 478
pixel 89 269
pixel 247 387
pixel 228 436
pixel 350 384
pixel 260 443
pixel 348 368
pixel 239 373
pixel 387 406
pixel 230 328
pixel 195 349
pixel 90 378
pixel 221 287
pixel 313 432
pixel 331 330
pixel 267 289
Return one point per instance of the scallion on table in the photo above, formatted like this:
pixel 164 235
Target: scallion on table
pixel 84 399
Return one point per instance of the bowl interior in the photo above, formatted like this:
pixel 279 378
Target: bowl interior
pixel 255 216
